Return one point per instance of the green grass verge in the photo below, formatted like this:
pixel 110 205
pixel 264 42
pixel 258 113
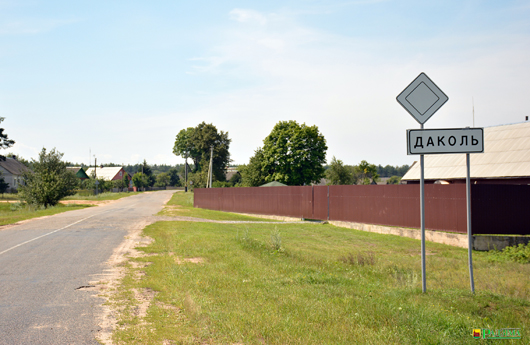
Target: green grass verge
pixel 101 196
pixel 12 213
pixel 313 284
pixel 181 204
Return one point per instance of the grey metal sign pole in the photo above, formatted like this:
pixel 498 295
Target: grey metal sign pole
pixel 422 221
pixel 447 141
pixel 421 99
pixel 469 235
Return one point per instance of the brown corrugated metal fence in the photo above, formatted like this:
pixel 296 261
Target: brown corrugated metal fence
pixel 500 209
pixel 496 209
pixel 279 201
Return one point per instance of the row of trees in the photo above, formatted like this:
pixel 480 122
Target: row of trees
pixel 364 173
pixel 293 154
pixel 389 170
pixel 340 174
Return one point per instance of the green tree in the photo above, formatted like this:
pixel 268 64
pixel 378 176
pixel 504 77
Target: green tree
pixel 196 143
pixel 174 178
pixel 105 185
pixel 162 180
pixel 389 170
pixel 140 180
pixel 338 174
pixel 49 181
pixel 125 180
pixel 366 173
pixel 253 174
pixel 183 145
pixel 146 170
pixel 120 184
pixel 3 184
pixel 198 178
pixel 295 154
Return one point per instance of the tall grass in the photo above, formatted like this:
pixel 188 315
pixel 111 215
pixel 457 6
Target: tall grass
pixel 100 196
pixel 15 212
pixel 326 285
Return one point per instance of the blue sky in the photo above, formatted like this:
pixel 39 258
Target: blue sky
pixel 122 78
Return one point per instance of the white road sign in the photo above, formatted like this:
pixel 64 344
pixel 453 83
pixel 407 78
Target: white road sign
pixel 422 98
pixel 450 140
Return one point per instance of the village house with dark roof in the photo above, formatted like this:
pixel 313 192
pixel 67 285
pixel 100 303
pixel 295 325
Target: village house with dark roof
pixel 12 171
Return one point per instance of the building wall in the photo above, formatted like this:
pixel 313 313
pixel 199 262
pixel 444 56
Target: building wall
pixel 13 180
pixel 119 175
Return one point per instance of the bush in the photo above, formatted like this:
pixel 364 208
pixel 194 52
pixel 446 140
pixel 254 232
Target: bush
pixel 394 180
pixel 219 184
pixel 49 182
pixel 520 253
pixel 84 192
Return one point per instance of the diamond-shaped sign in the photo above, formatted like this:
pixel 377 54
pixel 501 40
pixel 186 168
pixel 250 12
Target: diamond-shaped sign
pixel 422 98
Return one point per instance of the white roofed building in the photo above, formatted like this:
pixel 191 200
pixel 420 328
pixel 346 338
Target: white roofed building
pixel 506 160
pixel 107 173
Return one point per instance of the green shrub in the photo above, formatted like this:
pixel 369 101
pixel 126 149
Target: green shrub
pixel 49 181
pixel 84 192
pixel 520 253
pixel 220 184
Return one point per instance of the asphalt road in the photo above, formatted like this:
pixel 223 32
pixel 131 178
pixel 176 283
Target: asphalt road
pixel 43 263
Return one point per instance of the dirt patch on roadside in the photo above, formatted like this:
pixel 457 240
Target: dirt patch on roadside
pixel 180 261
pixel 107 283
pixel 110 280
pixel 145 297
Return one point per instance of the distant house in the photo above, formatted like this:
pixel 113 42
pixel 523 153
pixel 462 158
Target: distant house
pixel 230 171
pixel 107 173
pixel 506 160
pixel 79 172
pixel 12 171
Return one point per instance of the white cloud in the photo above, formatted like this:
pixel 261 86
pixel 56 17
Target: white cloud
pixel 248 16
pixel 25 151
pixel 347 86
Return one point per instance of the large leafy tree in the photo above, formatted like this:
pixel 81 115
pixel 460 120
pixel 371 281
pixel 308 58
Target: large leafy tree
pixel 183 146
pixel 174 179
pixel 294 154
pixel 195 143
pixel 162 180
pixel 140 180
pixel 366 173
pixel 338 173
pixel 49 181
pixel 253 174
